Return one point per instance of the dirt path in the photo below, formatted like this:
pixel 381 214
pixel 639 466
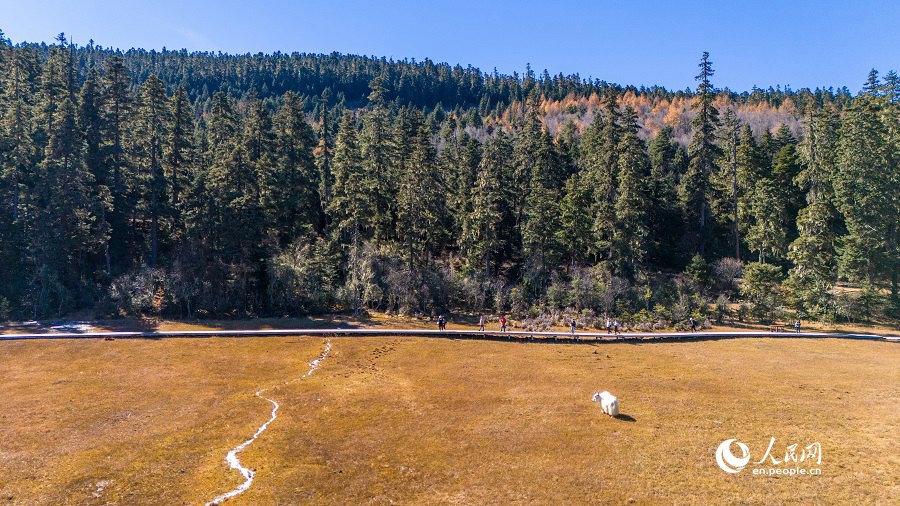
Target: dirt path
pixel 232 457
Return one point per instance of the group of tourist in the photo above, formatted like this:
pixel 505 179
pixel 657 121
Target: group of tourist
pixel 612 325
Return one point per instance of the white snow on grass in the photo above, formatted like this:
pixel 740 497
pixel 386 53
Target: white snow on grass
pixel 73 327
pixel 232 457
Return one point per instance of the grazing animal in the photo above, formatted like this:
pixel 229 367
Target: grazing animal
pixel 608 403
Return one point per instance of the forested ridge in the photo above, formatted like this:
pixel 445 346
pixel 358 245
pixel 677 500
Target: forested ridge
pixel 213 185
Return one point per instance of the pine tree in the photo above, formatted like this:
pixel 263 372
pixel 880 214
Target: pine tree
pixel 575 221
pixel 151 123
pixel 704 154
pixel 179 150
pixel 602 166
pixel 482 230
pixel 292 188
pixel 768 232
pixel 377 151
pixel 64 232
pixel 90 126
pixel 631 231
pixel 527 142
pixel 353 195
pixel 323 155
pixel 726 179
pixel 542 225
pixel 19 85
pixel 814 273
pixel 867 188
pixel 420 191
pixel 664 214
pixel 116 114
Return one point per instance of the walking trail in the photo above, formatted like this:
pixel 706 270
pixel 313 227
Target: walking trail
pixel 232 457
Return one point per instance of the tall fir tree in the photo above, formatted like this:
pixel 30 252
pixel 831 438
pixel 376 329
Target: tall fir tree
pixel 353 197
pixel 152 192
pixel 866 186
pixel 632 232
pixel 601 164
pixel 420 191
pixel 292 186
pixel 116 115
pixel 704 155
pixel 811 279
pixel 377 151
pixel 482 230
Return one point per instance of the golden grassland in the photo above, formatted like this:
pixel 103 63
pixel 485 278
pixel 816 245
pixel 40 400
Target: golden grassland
pixel 441 421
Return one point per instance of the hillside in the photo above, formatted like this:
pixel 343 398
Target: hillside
pixel 199 184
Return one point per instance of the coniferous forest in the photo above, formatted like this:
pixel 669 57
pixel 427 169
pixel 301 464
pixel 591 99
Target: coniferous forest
pixel 213 185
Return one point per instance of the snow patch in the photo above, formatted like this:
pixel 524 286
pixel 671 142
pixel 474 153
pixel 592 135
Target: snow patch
pixel 232 459
pixel 73 327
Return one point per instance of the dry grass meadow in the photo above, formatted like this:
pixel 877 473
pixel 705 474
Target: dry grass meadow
pixel 442 421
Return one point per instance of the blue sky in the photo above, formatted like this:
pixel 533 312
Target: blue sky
pixel 796 43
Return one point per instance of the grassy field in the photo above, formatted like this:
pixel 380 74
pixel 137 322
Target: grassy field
pixel 440 421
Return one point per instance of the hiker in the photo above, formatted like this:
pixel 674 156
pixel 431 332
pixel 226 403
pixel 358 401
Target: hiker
pixel 616 327
pixel 573 327
pixel 693 324
pixel 797 326
pixel 608 325
pixel 481 323
pixel 441 323
pixel 502 324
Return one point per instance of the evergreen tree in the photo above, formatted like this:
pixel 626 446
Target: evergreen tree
pixel 90 126
pixel 353 195
pixel 152 193
pixel 377 151
pixel 482 231
pixel 602 165
pixel 867 187
pixel 540 231
pixel 727 193
pixel 663 212
pixel 575 221
pixel 420 191
pixel 704 154
pixel 814 273
pixel 631 231
pixel 64 234
pixel 323 155
pixel 117 106
pixel 179 149
pixel 768 232
pixel 18 89
pixel 291 195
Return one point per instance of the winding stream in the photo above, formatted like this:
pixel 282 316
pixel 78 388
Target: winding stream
pixel 232 457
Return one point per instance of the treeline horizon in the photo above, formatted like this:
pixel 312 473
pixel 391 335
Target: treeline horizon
pixel 192 184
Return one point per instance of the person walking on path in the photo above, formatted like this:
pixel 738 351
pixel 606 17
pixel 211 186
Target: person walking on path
pixel 502 324
pixel 797 326
pixel 573 327
pixel 608 325
pixel 481 323
pixel 693 324
pixel 442 323
pixel 616 327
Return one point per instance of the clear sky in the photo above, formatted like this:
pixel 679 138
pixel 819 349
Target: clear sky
pixel 799 43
